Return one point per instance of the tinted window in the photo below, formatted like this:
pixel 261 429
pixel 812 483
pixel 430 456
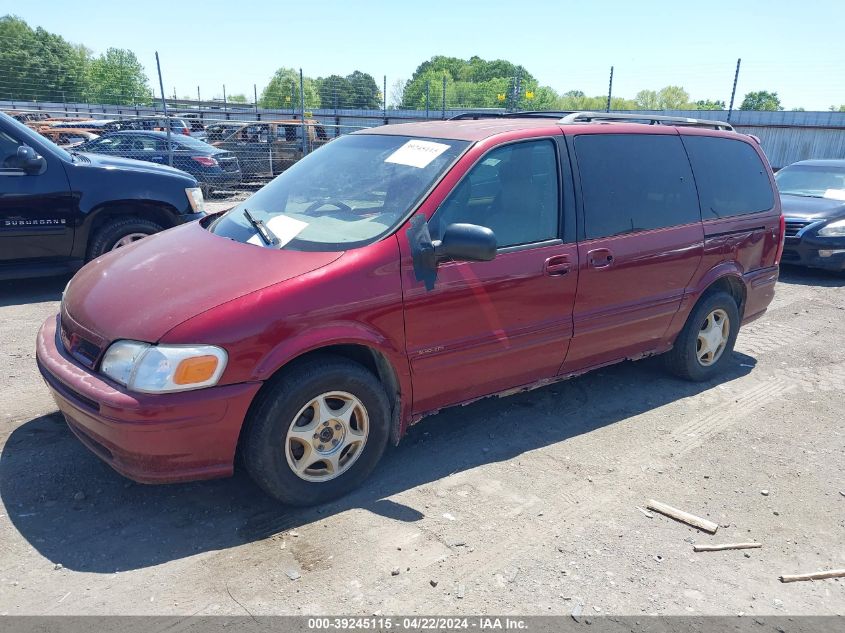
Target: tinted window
pixel 513 191
pixel 731 178
pixel 634 182
pixel 8 151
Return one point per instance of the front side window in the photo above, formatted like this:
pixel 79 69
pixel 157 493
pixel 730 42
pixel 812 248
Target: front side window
pixel 344 195
pixel 634 182
pixel 513 191
pixel 8 151
pixel 731 178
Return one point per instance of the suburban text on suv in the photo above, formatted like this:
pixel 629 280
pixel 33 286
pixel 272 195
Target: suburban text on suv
pixel 402 269
pixel 59 209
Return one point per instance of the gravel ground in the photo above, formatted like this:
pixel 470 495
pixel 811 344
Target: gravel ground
pixel 524 505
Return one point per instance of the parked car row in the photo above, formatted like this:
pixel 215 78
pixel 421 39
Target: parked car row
pixel 213 168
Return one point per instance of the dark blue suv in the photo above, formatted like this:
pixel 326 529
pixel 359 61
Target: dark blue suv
pixel 59 209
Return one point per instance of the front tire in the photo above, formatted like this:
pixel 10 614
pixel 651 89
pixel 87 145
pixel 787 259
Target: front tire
pixel 120 232
pixel 317 432
pixel 703 348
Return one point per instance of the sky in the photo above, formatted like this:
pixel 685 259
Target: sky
pixel 793 48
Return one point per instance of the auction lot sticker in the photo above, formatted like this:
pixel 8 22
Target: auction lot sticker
pixel 417 153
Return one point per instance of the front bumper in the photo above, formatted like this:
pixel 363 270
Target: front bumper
pixel 150 438
pixel 815 252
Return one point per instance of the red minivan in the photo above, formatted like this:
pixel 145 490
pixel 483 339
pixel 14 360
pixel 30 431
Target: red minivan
pixel 407 268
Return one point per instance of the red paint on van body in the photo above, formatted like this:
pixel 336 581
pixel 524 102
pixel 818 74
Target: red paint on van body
pixel 530 316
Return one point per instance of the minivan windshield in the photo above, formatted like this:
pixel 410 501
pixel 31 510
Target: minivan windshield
pixel 812 181
pixel 346 194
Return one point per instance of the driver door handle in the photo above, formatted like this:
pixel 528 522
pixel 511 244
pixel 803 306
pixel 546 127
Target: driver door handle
pixel 557 266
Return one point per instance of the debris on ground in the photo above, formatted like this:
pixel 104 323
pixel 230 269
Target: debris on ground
pixel 723 546
pixel 816 575
pixel 394 571
pixel 293 574
pixel 683 517
pixel 576 612
pixel 645 512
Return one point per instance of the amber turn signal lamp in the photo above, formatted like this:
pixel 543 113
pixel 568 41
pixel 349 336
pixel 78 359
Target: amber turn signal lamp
pixel 194 370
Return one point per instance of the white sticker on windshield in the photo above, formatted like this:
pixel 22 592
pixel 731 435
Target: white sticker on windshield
pixel 835 194
pixel 283 227
pixel 416 153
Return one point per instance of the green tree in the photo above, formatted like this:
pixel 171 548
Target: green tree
pixel 283 91
pixel 472 83
pixel 839 109
pixel 673 98
pixel 647 100
pixel 366 93
pixel 117 77
pixel 707 104
pixel 335 92
pixel 667 98
pixel 237 98
pixel 38 65
pixel 761 100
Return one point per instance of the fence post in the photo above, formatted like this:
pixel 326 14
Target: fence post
pixel 609 90
pixel 443 113
pixel 427 97
pixel 255 98
pixel 733 92
pixel 225 104
pixel 384 100
pixel 166 120
pixel 302 106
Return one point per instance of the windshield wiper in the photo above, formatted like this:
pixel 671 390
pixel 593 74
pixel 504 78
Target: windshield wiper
pixel 266 234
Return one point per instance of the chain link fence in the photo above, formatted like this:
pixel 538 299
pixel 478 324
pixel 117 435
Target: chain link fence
pixel 236 141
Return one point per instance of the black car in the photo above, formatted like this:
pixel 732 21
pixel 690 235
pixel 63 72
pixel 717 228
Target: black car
pixel 812 194
pixel 213 168
pixel 60 208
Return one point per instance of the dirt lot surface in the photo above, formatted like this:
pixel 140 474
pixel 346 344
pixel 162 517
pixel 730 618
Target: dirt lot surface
pixel 523 505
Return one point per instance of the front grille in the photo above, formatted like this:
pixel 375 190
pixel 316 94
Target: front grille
pixel 80 348
pixel 794 226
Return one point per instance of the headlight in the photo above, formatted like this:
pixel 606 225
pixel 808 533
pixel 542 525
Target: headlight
pixel 163 368
pixel 196 200
pixel 834 229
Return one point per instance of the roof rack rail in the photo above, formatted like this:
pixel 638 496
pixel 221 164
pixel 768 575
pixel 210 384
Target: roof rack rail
pixel 526 114
pixel 651 119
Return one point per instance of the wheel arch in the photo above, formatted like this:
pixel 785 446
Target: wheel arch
pixel 366 352
pixel 161 213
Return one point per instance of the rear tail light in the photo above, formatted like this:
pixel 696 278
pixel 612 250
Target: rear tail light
pixel 186 131
pixel 205 161
pixel 781 236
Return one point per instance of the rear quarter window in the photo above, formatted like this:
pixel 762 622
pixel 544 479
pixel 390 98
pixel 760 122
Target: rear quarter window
pixel 634 182
pixel 731 178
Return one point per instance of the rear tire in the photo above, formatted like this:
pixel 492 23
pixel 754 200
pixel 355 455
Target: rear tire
pixel 116 233
pixel 284 449
pixel 704 346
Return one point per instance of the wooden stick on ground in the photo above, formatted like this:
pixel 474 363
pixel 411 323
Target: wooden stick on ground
pixel 816 575
pixel 683 517
pixel 723 546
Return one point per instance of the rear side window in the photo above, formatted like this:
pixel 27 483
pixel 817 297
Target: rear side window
pixel 731 178
pixel 634 182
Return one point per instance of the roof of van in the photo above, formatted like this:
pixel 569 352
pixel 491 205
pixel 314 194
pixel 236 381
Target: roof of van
pixel 478 129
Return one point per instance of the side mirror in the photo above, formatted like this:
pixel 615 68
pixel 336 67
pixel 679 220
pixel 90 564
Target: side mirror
pixel 466 242
pixel 29 160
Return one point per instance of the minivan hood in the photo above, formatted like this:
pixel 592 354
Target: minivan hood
pixel 143 290
pixel 807 208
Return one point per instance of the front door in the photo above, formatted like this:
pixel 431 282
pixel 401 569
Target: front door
pixel 36 210
pixel 641 245
pixel 485 327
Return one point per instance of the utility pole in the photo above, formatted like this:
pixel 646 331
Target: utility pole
pixel 166 119
pixel 733 92
pixel 609 90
